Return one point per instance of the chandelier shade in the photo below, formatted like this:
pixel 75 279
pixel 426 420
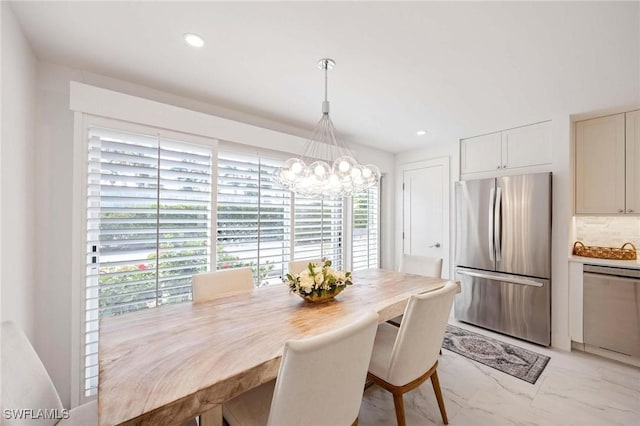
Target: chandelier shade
pixel 327 168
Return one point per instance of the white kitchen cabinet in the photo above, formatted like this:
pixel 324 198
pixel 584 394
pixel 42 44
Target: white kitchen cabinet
pixel 607 164
pixel 481 153
pixel 527 146
pixel 516 148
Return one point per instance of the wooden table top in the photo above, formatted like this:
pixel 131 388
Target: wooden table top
pixel 168 364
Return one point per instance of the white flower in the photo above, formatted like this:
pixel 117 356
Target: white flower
pixel 306 283
pixel 316 277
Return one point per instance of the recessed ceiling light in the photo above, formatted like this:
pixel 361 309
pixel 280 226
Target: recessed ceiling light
pixel 193 40
pixel 421 132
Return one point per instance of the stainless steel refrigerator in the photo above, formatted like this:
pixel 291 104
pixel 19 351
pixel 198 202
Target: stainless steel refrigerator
pixel 503 255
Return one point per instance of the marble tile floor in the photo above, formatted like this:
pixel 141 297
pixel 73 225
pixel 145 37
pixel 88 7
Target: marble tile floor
pixel 575 388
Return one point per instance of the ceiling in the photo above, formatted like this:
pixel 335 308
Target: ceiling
pixel 454 69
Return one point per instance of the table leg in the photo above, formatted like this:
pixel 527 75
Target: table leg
pixel 212 417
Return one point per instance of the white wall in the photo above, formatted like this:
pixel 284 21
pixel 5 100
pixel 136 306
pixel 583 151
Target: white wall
pixel 54 155
pixel 18 190
pixel 55 135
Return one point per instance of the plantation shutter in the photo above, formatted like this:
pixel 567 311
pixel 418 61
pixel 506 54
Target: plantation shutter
pixel 148 199
pixel 318 229
pixel 366 229
pixel 254 217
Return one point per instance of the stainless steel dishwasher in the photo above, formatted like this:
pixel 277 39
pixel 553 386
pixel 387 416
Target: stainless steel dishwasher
pixel 612 308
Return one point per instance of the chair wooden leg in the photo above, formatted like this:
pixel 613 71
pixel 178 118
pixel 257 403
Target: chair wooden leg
pixel 436 388
pixel 399 404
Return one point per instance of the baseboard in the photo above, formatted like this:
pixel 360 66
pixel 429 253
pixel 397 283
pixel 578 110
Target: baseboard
pixel 616 356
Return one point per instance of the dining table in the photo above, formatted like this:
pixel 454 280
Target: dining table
pixel 166 365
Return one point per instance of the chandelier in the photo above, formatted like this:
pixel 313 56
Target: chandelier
pixel 327 168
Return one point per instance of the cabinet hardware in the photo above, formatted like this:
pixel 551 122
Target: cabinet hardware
pixel 498 167
pixel 630 211
pixel 504 167
pixel 620 210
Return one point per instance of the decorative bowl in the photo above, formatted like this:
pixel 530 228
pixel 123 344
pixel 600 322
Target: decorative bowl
pixel 321 296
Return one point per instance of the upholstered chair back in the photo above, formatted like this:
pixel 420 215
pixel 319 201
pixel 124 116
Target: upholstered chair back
pixel 420 335
pixel 210 285
pixel 321 379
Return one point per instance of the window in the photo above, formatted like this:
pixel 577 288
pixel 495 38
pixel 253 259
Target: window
pixel 318 229
pixel 263 226
pixel 150 197
pixel 366 229
pixel 254 217
pixel 148 227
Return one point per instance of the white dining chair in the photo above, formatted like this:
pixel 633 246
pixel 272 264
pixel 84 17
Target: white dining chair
pixel 27 385
pixel 403 358
pixel 210 285
pixel 297 266
pixel 419 265
pixel 320 381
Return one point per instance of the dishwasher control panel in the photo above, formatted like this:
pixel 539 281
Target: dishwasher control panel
pixel 613 270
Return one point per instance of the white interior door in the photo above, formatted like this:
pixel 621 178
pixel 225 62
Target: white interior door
pixel 426 209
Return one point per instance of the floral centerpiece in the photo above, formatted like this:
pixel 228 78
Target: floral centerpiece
pixel 318 282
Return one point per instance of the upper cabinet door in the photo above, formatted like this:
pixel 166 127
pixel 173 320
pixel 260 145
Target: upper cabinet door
pixel 480 154
pixel 633 162
pixel 527 146
pixel 600 165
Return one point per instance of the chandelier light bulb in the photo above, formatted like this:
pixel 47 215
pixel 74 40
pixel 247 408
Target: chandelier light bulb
pixel 297 167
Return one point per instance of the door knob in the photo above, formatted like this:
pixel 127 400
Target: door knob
pixel 436 245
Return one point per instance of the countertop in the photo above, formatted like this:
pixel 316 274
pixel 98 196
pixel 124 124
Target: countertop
pixel 634 264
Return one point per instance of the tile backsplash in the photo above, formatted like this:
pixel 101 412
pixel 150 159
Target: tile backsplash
pixel 608 231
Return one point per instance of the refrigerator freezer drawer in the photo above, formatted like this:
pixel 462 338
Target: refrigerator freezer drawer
pixel 513 305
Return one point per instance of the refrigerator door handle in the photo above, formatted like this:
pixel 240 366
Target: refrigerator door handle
pixel 497 225
pixel 500 277
pixel 492 249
